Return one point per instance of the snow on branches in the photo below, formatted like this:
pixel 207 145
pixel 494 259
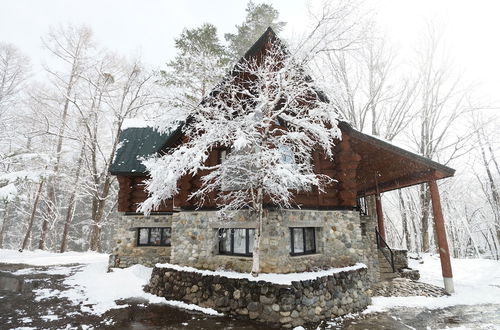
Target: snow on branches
pixel 270 118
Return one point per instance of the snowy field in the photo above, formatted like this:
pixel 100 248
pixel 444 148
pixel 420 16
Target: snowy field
pixel 477 281
pixel 90 286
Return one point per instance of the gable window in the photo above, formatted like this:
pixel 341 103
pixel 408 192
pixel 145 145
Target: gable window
pixel 303 240
pixel 222 155
pixel 154 236
pixel 286 155
pixel 236 241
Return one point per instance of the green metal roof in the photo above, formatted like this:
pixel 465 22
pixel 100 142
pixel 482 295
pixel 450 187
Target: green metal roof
pixel 135 144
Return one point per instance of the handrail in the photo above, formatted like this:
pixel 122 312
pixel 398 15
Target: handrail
pixel 380 240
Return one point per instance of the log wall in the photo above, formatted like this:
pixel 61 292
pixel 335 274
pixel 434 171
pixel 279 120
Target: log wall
pixel 131 193
pixel 340 194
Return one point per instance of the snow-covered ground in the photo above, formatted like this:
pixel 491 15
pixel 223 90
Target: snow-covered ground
pixel 45 258
pixel 91 286
pixel 477 281
pixel 94 286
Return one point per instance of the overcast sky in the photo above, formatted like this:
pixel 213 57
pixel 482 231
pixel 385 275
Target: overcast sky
pixel 148 27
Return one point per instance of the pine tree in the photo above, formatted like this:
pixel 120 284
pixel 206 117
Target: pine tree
pixel 259 17
pixel 200 63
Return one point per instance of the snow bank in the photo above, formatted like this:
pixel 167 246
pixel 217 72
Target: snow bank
pixel 97 291
pixel 477 281
pixel 285 279
pixel 45 258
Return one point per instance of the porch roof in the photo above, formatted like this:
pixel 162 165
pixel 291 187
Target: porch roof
pixel 386 167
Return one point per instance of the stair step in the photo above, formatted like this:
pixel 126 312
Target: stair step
pixel 385 266
pixel 388 276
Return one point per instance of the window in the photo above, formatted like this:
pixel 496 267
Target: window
pixel 303 240
pixel 287 155
pixel 222 156
pixel 361 205
pixel 236 241
pixel 155 236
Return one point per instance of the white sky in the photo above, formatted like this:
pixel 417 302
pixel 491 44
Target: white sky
pixel 148 27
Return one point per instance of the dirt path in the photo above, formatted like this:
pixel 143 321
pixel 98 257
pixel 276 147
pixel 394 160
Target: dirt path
pixel 26 301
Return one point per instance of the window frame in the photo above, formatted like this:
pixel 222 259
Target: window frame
pixel 292 243
pixel 162 236
pixel 221 251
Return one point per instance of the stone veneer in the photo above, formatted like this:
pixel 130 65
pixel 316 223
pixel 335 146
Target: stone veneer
pixel 125 250
pixel 288 305
pixel 400 259
pixel 339 240
pixel 343 237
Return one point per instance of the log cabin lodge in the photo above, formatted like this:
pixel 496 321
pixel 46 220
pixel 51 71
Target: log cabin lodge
pixel 337 228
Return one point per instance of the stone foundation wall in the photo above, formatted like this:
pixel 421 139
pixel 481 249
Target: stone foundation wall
pixel 400 259
pixel 338 240
pixel 125 250
pixel 288 305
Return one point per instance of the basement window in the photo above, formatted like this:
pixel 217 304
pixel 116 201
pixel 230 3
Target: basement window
pixel 236 241
pixel 154 236
pixel 303 241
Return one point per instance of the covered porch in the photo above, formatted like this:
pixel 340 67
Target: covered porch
pixel 384 167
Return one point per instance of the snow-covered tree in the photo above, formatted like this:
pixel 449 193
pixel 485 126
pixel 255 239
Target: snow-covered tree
pixel 269 117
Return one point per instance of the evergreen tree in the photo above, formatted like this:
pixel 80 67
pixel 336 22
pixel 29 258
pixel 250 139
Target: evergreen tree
pixel 259 18
pixel 200 63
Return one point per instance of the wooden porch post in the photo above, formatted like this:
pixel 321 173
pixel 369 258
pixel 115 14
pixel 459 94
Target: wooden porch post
pixel 444 252
pixel 380 216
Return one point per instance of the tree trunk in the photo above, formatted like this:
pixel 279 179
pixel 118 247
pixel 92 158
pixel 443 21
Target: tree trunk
pixel 100 203
pixel 44 230
pixel 51 189
pixel 258 233
pixel 71 202
pixel 495 196
pixel 404 220
pixel 424 204
pixel 95 231
pixel 32 217
pixel 5 224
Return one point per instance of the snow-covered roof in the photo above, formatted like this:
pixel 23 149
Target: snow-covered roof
pixel 137 143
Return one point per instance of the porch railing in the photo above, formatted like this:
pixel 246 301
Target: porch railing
pixel 385 249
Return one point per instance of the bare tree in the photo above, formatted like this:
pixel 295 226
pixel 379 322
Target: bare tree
pixel 14 68
pixel 489 182
pixel 70 45
pixel 442 104
pixel 365 90
pixel 116 91
pixel 72 201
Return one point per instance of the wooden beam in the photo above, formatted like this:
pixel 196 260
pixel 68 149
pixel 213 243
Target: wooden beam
pixel 444 252
pixel 402 182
